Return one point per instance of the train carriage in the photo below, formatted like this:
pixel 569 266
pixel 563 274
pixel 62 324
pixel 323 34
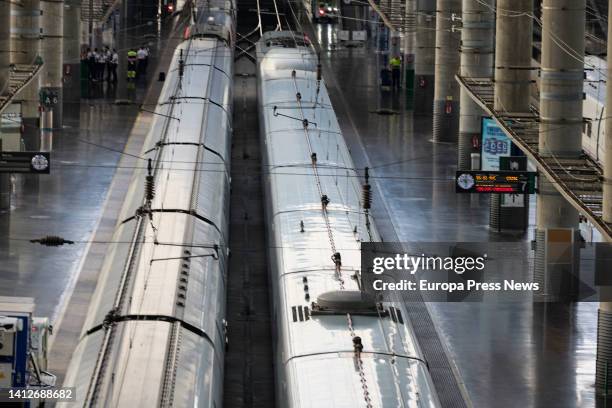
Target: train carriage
pixel 335 346
pixel 155 329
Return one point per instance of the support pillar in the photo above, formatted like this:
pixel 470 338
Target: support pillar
pixel 476 62
pixel 513 77
pixel 408 47
pixel 604 319
pixel 25 49
pixel 424 57
pixel 5 45
pixel 561 88
pixel 52 55
pixel 74 73
pixel 446 90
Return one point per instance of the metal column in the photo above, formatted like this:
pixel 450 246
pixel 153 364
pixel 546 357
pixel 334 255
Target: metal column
pixel 604 318
pixel 5 45
pixel 424 56
pixel 476 62
pixel 408 46
pixel 513 48
pixel 561 95
pixel 446 90
pixel 513 83
pixel 25 49
pixel 52 54
pixel 73 34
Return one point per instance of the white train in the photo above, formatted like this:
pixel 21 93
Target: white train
pixel 334 345
pixel 594 108
pixel 154 335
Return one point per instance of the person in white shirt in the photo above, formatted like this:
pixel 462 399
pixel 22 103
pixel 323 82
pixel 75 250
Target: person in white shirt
pixel 142 56
pixel 91 63
pixel 107 58
pixel 100 62
pixel 113 62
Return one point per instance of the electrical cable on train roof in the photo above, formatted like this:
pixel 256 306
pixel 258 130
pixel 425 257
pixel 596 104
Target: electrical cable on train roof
pixel 366 198
pixel 149 185
pixel 181 68
pixel 367 191
pixel 305 122
pixel 319 77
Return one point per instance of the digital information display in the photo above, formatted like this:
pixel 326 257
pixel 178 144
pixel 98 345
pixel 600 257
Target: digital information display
pixel 510 182
pixel 25 162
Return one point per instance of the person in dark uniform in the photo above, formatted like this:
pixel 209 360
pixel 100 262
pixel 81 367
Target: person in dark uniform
pixel 396 70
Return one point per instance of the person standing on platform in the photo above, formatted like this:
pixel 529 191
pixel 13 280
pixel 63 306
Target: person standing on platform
pixel 142 62
pixel 107 59
pixel 396 69
pixel 96 65
pixel 101 59
pixel 112 66
pixel 132 58
pixel 91 64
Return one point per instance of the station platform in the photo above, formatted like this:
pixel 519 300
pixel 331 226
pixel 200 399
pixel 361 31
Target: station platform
pixel 92 161
pixel 504 355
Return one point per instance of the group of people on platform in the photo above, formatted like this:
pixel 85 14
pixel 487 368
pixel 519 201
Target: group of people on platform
pixel 102 64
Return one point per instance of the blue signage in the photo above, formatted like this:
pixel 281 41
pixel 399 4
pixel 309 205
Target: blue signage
pixel 495 144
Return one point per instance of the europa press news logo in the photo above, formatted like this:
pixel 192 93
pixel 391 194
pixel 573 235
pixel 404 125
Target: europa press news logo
pixel 496 146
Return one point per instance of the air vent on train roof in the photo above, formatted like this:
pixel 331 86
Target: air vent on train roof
pixel 347 301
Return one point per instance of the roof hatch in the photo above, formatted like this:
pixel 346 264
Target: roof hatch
pixel 347 301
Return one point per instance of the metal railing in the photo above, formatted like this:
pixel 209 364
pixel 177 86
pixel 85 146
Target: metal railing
pixel 20 76
pixel 579 180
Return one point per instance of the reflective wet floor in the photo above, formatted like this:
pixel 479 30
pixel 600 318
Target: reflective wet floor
pixel 507 355
pixel 69 201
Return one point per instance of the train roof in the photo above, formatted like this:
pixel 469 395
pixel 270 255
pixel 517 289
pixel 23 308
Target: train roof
pixel 596 73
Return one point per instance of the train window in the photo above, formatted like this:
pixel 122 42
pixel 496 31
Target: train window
pixel 399 316
pixel 587 128
pixel 392 314
pixel 396 315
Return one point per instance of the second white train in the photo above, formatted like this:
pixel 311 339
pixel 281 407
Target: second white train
pixel 334 345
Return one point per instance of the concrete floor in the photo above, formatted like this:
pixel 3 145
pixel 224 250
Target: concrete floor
pixel 92 161
pixel 507 355
pixel 66 203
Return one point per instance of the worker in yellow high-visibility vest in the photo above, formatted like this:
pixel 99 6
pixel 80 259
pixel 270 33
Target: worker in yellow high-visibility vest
pixel 396 69
pixel 132 56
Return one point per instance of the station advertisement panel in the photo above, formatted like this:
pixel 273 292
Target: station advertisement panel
pixel 495 144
